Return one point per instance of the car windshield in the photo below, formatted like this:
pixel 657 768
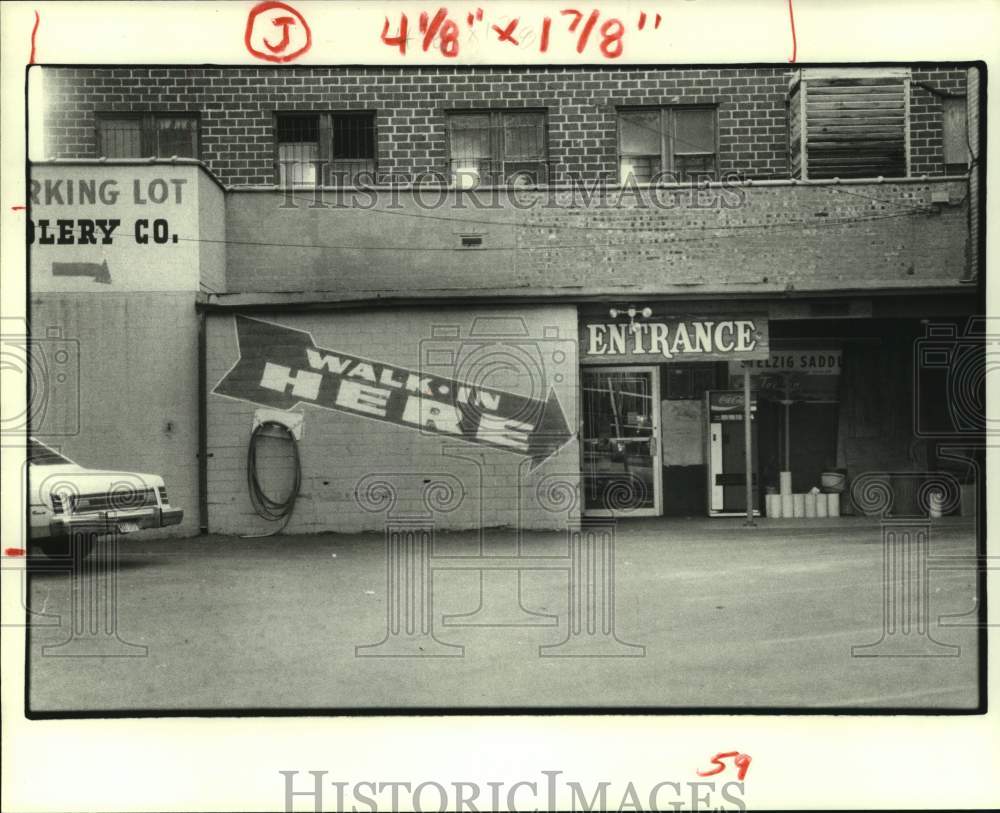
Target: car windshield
pixel 41 455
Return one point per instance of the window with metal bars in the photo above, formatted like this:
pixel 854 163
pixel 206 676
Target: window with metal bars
pixel 353 147
pixel 145 135
pixel 497 147
pixel 327 148
pixel 298 149
pixel 667 144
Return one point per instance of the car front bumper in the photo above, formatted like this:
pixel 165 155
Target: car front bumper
pixel 107 522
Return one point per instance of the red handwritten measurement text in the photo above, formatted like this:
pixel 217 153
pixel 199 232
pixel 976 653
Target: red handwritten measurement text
pixel 440 31
pixel 584 30
pixel 34 33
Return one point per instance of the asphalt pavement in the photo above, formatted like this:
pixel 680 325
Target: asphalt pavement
pixel 706 614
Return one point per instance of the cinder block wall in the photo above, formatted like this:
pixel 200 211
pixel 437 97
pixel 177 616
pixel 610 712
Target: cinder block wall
pixel 126 396
pixel 745 239
pixel 237 105
pixel 495 487
pixel 133 406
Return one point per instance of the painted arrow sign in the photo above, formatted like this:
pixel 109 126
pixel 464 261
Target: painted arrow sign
pixel 281 367
pixel 99 272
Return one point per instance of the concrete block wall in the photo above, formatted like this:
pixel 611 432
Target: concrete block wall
pixel 130 399
pixel 767 240
pixel 133 406
pixel 211 235
pixel 338 450
pixel 762 239
pixel 236 106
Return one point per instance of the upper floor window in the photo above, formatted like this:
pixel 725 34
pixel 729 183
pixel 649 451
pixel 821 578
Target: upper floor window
pixel 667 144
pixel 498 146
pixel 328 148
pixel 144 135
pixel 849 123
pixel 298 149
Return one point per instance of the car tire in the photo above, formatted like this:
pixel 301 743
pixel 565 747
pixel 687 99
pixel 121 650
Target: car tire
pixel 61 548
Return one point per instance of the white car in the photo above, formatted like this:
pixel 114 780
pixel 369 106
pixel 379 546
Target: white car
pixel 66 497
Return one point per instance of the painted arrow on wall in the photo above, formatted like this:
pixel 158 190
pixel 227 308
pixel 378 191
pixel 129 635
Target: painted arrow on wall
pixel 99 272
pixel 282 367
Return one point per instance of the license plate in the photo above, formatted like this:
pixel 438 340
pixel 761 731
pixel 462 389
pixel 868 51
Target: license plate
pixel 127 527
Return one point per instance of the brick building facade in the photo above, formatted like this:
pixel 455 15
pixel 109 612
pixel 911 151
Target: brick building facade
pixel 507 207
pixel 236 107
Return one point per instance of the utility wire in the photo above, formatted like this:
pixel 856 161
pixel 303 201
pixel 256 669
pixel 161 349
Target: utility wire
pixel 733 231
pixel 591 228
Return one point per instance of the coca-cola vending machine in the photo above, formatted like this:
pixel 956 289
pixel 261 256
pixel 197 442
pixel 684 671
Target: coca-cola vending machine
pixel 726 453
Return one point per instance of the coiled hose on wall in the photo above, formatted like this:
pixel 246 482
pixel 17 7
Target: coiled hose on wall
pixel 267 508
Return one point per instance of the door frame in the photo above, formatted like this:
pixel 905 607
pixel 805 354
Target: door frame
pixel 657 508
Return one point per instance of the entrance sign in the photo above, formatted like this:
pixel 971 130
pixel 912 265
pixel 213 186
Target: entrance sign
pixel 718 338
pixel 281 367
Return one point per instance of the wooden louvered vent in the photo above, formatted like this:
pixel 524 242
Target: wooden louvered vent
pixel 855 125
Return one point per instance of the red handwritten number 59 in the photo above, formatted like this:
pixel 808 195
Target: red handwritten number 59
pixel 741 761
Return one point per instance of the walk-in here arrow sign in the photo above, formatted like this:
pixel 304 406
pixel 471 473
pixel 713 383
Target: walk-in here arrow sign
pixel 281 367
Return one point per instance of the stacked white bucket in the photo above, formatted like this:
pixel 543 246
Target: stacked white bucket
pixel 811 505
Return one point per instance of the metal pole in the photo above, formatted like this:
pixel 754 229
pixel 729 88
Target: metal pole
pixel 788 425
pixel 202 423
pixel 747 440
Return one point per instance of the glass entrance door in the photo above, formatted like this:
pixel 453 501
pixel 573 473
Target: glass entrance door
pixel 621 438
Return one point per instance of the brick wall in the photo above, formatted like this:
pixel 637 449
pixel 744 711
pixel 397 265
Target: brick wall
pixel 237 104
pixel 493 487
pixel 926 135
pixel 974 178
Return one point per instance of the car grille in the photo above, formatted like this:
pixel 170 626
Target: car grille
pixel 124 500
